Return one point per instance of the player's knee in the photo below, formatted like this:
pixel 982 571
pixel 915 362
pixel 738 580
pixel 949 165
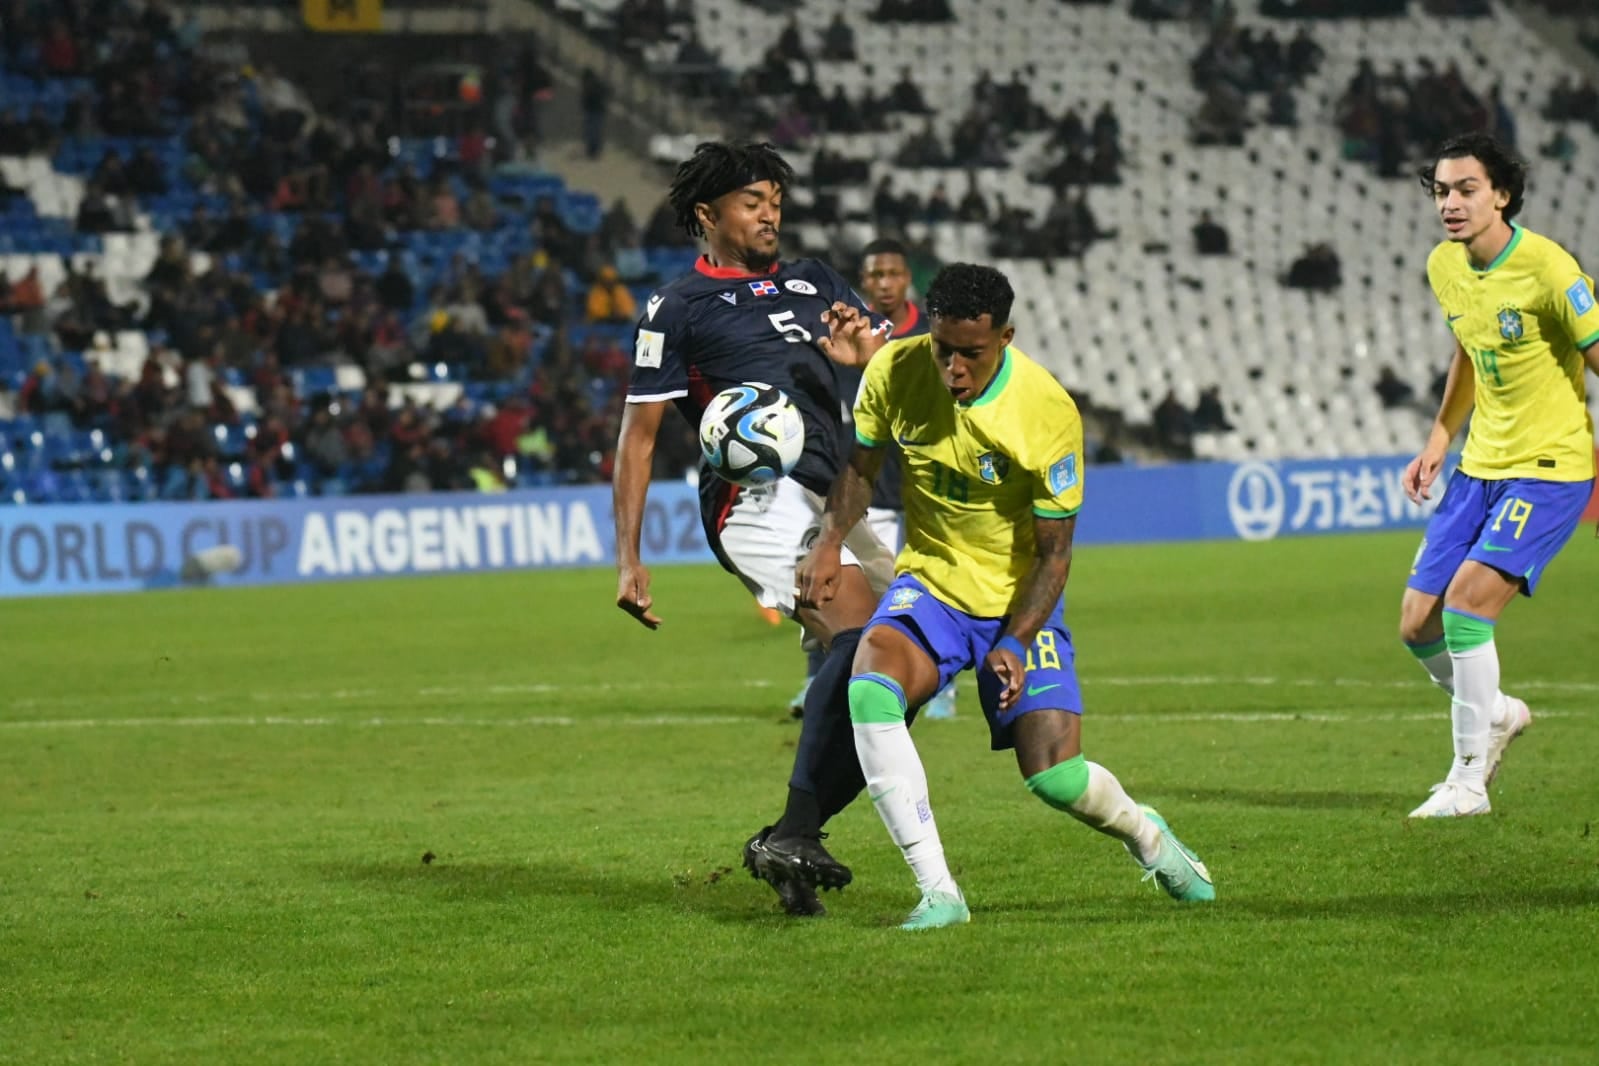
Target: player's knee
pixel 1414 626
pixel 1419 623
pixel 875 699
pixel 1063 784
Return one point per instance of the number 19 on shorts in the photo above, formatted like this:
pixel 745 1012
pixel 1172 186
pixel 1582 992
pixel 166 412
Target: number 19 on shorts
pixel 1514 511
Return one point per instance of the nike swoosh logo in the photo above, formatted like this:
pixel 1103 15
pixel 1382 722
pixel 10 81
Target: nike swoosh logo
pixel 1494 548
pixel 1454 318
pixel 881 794
pixel 1039 690
pixel 906 442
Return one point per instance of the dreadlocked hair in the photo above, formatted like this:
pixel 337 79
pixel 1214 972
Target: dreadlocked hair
pixel 967 292
pixel 717 168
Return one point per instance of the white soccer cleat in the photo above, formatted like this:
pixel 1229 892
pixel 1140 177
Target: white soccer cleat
pixel 1500 737
pixel 1452 800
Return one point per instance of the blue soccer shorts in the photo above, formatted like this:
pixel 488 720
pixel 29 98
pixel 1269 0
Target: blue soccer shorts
pixel 1516 526
pixel 957 641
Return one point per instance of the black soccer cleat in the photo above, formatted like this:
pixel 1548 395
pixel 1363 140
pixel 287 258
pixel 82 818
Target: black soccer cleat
pixel 803 859
pixel 798 898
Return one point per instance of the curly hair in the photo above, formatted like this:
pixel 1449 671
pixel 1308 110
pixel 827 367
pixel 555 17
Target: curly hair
pixel 969 291
pixel 1506 170
pixel 717 168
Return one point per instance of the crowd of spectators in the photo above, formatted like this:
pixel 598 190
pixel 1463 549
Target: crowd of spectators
pixel 1389 117
pixel 539 333
pixel 1236 63
pixel 538 340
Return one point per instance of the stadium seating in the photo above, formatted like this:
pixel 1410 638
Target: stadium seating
pixel 1139 315
pixel 1135 317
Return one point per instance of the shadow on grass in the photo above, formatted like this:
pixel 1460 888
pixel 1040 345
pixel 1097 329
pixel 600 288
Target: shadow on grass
pixel 718 893
pixel 1385 907
pixel 1307 799
pixel 1500 901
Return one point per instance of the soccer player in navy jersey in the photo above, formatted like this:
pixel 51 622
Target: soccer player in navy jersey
pixel 744 315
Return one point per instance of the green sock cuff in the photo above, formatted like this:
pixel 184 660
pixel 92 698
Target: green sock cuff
pixel 1062 784
pixel 1427 651
pixel 875 699
pixel 1463 631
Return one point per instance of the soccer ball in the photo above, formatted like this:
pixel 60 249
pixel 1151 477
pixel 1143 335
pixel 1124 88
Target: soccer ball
pixel 751 434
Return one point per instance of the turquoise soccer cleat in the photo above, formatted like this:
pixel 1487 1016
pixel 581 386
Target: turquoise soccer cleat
pixel 942 705
pixel 1177 869
pixel 936 910
pixel 796 706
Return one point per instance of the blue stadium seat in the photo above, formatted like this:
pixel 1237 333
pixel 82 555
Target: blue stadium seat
pixel 314 379
pixel 67 486
pixel 110 486
pixel 175 486
pixel 139 484
pixel 231 440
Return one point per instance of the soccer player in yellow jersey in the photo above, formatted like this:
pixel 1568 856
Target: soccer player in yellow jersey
pixel 993 451
pixel 1525 322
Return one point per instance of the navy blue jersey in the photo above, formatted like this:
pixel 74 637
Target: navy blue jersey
pixel 886 493
pixel 714 327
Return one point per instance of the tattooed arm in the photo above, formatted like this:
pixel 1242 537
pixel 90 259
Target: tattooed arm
pixel 1040 591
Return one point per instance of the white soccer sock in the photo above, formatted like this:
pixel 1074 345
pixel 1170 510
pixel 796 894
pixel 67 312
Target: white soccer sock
pixel 1107 807
pixel 1441 668
pixel 897 785
pixel 1476 699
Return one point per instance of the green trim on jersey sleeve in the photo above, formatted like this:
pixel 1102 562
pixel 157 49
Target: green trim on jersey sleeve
pixel 863 439
pixel 1584 345
pixel 1045 512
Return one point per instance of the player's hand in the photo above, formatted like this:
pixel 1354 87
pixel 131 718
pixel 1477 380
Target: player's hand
pixel 1420 473
pixel 852 341
pixel 816 576
pixel 633 594
pixel 1011 673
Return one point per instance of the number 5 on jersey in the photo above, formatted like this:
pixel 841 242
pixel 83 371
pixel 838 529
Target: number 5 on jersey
pixel 791 330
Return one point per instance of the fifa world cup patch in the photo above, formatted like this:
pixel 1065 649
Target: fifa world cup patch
pixel 1063 475
pixel 1581 297
pixel 904 599
pixel 647 349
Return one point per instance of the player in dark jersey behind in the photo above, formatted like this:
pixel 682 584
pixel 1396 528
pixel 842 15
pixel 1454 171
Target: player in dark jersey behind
pixel 885 281
pixel 742 315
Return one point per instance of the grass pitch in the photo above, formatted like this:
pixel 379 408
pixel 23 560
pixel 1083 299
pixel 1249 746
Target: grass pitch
pixel 491 820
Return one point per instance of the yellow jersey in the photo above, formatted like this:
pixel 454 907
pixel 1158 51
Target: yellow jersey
pixel 976 472
pixel 1524 320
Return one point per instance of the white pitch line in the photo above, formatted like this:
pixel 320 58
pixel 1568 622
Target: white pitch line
pixel 540 688
pixel 1203 680
pixel 1314 716
pixel 344 695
